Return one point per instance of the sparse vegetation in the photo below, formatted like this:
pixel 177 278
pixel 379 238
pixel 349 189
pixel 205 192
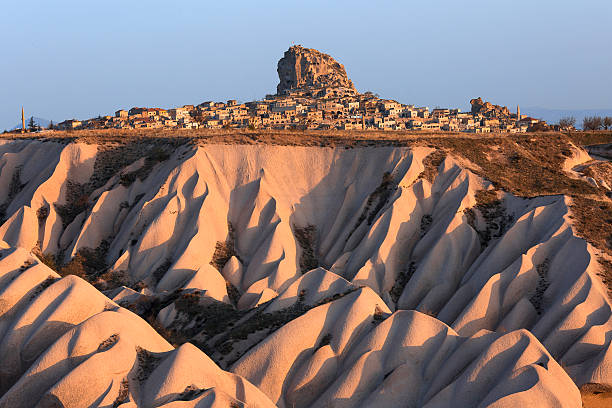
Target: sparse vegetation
pixel 592 219
pixel 401 281
pixel 108 343
pixel 307 239
pixel 537 297
pixel 124 393
pixel 190 393
pixel 426 221
pixel 224 250
pixel 14 188
pixel 47 259
pixel 380 197
pixel 431 164
pixel 113 156
pixel 492 210
pixel 77 199
pixel 379 316
pixel 88 263
pixel 42 213
pixel 43 285
pixel 376 201
pixel 232 292
pixel 111 279
pixel 147 362
pixel 161 270
pixel 156 155
pixel 201 319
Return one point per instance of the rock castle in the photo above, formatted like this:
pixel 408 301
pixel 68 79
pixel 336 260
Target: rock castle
pixel 314 92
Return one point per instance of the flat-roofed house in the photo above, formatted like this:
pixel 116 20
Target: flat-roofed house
pixel 136 111
pixel 69 124
pixel 178 113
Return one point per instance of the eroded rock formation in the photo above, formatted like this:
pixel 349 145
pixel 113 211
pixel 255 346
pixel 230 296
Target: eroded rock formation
pixel 308 68
pixel 303 276
pixel 488 109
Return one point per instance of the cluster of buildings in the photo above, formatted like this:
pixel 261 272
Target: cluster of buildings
pixel 318 108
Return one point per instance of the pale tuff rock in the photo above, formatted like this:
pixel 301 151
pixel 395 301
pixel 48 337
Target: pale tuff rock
pixel 308 68
pixel 310 275
pixel 65 344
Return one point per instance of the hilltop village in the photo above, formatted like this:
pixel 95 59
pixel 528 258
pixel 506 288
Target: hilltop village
pixel 314 92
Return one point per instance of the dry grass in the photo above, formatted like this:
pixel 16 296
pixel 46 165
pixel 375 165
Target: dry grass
pixel 431 163
pixel 493 212
pixel 329 138
pixel 307 240
pixel 596 395
pixel 590 137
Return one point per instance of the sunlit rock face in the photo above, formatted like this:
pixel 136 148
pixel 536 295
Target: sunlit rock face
pixel 289 276
pixel 488 109
pixel 308 68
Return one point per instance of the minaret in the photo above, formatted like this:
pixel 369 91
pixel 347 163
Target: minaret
pixel 518 112
pixel 22 120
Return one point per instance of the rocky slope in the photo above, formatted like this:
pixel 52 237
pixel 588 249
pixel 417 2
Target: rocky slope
pixel 66 344
pixel 303 276
pixel 308 68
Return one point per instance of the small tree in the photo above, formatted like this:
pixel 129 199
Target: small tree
pixel 567 122
pixel 592 123
pixel 597 122
pixel 607 122
pixel 32 127
pixel 197 115
pixel 51 125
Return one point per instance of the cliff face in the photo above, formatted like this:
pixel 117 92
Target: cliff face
pixel 306 67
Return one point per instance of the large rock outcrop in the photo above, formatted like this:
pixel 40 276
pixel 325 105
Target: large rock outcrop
pixel 308 68
pixel 488 109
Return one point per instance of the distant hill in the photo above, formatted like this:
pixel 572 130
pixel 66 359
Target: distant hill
pixel 553 115
pixel 44 123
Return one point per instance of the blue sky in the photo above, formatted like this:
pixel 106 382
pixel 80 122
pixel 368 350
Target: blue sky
pixel 66 59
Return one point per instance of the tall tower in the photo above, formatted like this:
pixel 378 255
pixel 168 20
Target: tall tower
pixel 518 112
pixel 22 120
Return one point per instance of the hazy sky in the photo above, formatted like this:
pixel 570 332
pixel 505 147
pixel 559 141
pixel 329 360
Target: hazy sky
pixel 65 59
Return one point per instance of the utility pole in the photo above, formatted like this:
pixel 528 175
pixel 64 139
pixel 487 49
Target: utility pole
pixel 22 121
